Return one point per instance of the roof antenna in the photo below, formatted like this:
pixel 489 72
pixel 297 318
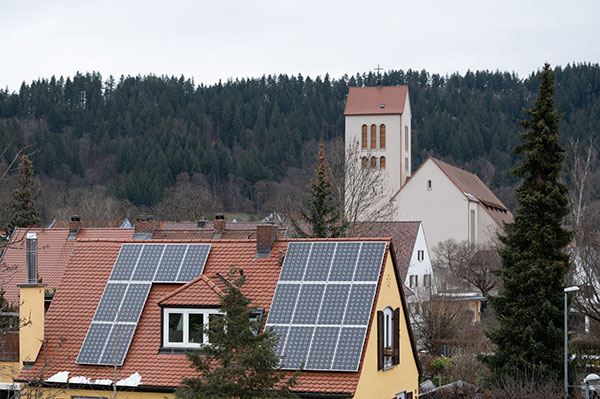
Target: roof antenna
pixel 379 69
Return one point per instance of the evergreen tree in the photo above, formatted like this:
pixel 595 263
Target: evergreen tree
pixel 239 362
pixel 22 200
pixel 534 264
pixel 323 213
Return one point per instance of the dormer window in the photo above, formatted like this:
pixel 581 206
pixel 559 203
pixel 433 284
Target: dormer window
pixel 185 328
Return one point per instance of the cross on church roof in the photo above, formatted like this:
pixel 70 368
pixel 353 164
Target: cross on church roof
pixel 379 69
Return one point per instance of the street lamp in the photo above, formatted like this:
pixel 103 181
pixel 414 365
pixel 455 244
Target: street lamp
pixel 566 291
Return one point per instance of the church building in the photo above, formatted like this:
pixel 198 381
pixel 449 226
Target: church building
pixel 450 202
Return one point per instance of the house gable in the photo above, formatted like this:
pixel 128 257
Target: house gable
pixel 386 383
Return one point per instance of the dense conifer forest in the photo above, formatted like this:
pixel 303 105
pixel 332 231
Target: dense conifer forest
pixel 246 145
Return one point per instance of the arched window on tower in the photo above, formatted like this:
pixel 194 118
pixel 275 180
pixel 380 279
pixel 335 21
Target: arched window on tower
pixel 373 137
pixel 373 162
pixel 382 137
pixel 364 137
pixel 382 163
pixel 364 162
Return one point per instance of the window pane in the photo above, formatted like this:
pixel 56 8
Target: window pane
pixel 215 321
pixel 373 137
pixel 382 137
pixel 175 327
pixel 364 137
pixel 196 328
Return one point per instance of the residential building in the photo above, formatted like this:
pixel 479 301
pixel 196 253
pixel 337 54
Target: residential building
pixel 129 305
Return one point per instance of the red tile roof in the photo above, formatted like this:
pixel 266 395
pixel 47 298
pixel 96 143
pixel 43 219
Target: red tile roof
pixel 190 231
pixel 88 270
pixel 469 183
pixel 54 250
pixel 368 100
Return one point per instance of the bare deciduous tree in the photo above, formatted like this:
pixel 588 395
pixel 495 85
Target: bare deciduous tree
pixel 470 263
pixel 360 188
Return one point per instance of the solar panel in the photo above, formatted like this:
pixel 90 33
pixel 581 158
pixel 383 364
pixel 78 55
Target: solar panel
pixel 295 261
pixel 284 302
pixel 369 261
pixel 349 349
pixel 309 302
pixel 117 344
pixel 344 261
pixel 322 348
pixel 281 332
pixel 170 263
pixel 297 345
pixel 134 302
pixel 122 302
pixel 126 262
pixel 323 302
pixel 110 302
pixel 334 304
pixel 319 262
pixel 94 342
pixel 359 304
pixel 146 266
pixel 193 263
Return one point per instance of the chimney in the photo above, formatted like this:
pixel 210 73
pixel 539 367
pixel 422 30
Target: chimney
pixel 266 234
pixel 201 223
pixel 219 225
pixel 144 227
pixel 74 226
pixel 31 309
pixel 32 277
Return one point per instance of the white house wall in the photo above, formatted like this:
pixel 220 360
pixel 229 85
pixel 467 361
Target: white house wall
pixel 420 268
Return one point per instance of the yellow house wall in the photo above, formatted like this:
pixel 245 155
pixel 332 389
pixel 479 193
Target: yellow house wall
pixel 9 371
pixel 100 392
pixel 385 384
pixel 31 333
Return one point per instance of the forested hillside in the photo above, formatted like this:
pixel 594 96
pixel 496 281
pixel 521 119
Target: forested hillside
pixel 247 144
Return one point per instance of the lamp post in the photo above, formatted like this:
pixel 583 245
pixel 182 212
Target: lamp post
pixel 566 291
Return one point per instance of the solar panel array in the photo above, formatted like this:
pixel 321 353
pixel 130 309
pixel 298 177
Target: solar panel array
pixel 136 268
pixel 323 302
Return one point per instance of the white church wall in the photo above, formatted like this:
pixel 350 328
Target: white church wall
pixel 443 209
pixel 393 163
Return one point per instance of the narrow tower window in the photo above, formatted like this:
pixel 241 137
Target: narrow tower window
pixel 364 162
pixel 373 137
pixel 364 137
pixel 382 163
pixel 382 137
pixel 373 162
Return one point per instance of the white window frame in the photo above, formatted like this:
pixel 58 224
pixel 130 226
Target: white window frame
pixel 388 335
pixel 186 319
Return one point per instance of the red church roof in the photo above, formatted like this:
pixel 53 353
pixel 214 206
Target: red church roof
pixel 376 100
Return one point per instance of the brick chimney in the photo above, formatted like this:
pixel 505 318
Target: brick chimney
pixel 266 234
pixel 219 225
pixel 144 227
pixel 74 226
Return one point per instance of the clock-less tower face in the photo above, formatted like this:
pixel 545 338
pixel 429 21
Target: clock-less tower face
pixel 378 136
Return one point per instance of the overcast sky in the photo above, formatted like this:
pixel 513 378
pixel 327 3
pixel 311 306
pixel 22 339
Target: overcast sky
pixel 212 40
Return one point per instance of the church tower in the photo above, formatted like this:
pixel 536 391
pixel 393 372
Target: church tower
pixel 378 136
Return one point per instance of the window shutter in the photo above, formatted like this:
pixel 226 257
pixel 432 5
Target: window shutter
pixel 396 333
pixel 379 340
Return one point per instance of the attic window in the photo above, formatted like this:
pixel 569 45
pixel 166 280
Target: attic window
pixel 186 328
pixel 428 185
pixel 382 106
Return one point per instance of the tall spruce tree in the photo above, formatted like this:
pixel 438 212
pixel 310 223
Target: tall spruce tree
pixel 322 213
pixel 22 200
pixel 528 341
pixel 239 362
